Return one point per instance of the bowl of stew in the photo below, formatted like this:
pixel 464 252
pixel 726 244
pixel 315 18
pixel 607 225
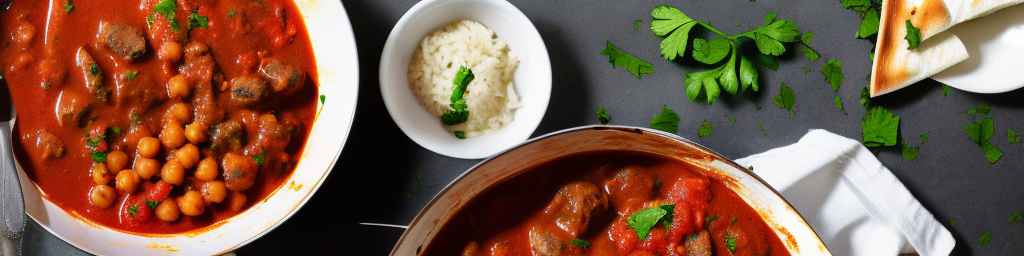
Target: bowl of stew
pixel 175 126
pixel 608 190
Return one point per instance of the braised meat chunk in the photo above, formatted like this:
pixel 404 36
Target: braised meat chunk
pixel 629 188
pixel 124 40
pixel 284 78
pixel 543 243
pixel 247 90
pixel 47 145
pixel 574 205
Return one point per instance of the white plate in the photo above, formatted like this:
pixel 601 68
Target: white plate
pixel 996 46
pixel 338 69
pixel 532 79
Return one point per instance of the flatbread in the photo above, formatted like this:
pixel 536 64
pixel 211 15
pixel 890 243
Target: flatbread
pixel 895 66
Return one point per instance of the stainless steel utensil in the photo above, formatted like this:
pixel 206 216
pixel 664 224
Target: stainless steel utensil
pixel 12 204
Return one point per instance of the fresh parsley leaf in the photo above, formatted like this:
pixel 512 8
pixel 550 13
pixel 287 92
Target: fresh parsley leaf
pixel 766 61
pixel 865 97
pixel 868 24
pixel 730 243
pixel 909 152
pixel 923 137
pixel 980 110
pixel 809 53
pixel 621 59
pixel 1016 217
pixel 748 74
pixel 580 243
pixel 985 238
pixel 198 21
pixel 643 220
pixel 323 98
pixel 602 116
pixel 980 132
pixel 69 6
pixel 880 128
pixel 992 153
pixel 459 134
pixel 785 99
pixel 133 210
pixel 131 74
pixel 913 36
pixel 667 120
pixel 833 73
pixel 705 129
pixel 710 52
pixel 770 37
pixel 671 23
pixel 152 204
pixel 98 157
pixel 1012 137
pixel 260 158
pixel 856 4
pixel 838 102
pixel 166 8
pixel 459 111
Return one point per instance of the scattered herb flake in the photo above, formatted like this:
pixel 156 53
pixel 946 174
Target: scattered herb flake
pixel 980 110
pixel 323 98
pixel 133 209
pixel 602 116
pixel 785 99
pixel 580 243
pixel 945 90
pixel 913 36
pixel 880 128
pixel 709 219
pixel 131 74
pixel 637 23
pixel 198 21
pixel 833 73
pixel 705 129
pixel 730 243
pixel 980 132
pixel 909 152
pixel 1015 217
pixel 69 6
pixel 152 204
pixel 459 134
pixel 621 59
pixel 260 158
pixel 667 120
pixel 923 137
pixel 838 102
pixel 98 157
pixel 985 238
pixel 459 111
pixel 868 24
pixel 1012 137
pixel 865 98
pixel 992 153
pixel 232 13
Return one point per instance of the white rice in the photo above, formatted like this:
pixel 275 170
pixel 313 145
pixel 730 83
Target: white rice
pixel 491 96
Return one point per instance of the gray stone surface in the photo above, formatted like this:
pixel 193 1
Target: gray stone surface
pixel 385 177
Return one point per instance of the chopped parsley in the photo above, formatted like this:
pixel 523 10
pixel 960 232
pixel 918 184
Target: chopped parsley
pixel 869 24
pixel 667 120
pixel 99 157
pixel 94 69
pixel 584 244
pixel 865 97
pixel 166 9
pixel 198 21
pixel 232 13
pixel 735 72
pixel 730 243
pixel 705 129
pixel 644 220
pixel 880 128
pixel 637 23
pixel 152 204
pixel 913 36
pixel 980 131
pixel 323 98
pixel 602 116
pixel 260 158
pixel 621 59
pixel 131 74
pixel 909 152
pixel 923 137
pixel 1015 217
pixel 945 90
pixel 133 210
pixel 833 73
pixel 69 6
pixel 459 135
pixel 785 99
pixel 838 102
pixel 805 41
pixel 460 110
pixel 985 238
pixel 1012 137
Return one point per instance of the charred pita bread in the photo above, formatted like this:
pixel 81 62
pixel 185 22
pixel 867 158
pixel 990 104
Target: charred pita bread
pixel 895 66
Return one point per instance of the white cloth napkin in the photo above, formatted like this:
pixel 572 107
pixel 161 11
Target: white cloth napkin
pixel 850 199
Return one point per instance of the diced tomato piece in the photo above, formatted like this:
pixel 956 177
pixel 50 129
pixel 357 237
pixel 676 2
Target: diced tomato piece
pixel 682 221
pixel 134 211
pixel 657 240
pixel 159 191
pixel 690 189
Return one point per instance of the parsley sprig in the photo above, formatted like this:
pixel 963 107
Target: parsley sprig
pixel 735 72
pixel 459 111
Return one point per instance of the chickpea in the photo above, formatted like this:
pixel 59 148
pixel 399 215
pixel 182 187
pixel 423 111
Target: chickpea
pixel 178 87
pixel 237 201
pixel 170 51
pixel 100 174
pixel 207 170
pixel 173 172
pixel 117 160
pixel 146 167
pixel 101 196
pixel 167 211
pixel 148 147
pixel 182 112
pixel 214 191
pixel 191 203
pixel 173 135
pixel 196 132
pixel 187 155
pixel 126 181
pixel 196 48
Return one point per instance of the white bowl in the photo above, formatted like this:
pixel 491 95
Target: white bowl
pixel 532 79
pixel 338 69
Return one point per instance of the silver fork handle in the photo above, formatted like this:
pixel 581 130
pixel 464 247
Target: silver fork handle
pixel 12 204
